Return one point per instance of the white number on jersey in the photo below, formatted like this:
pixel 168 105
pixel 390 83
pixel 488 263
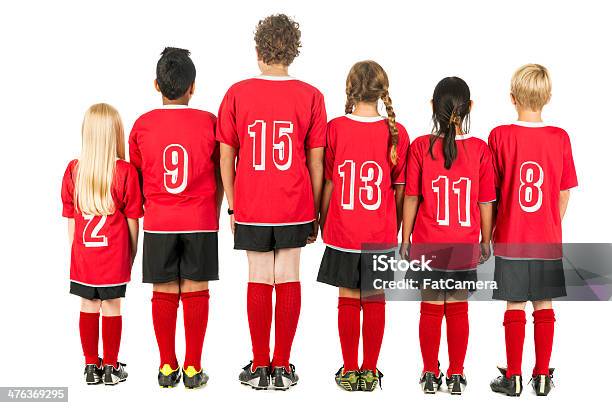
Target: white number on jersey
pixel 370 175
pixel 462 189
pixel 530 190
pixel 175 164
pixel 282 144
pixel 91 232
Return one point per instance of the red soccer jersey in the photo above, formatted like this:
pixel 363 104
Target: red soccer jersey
pixel 533 164
pixel 449 212
pixel 271 121
pixel 175 151
pixel 362 213
pixel 101 247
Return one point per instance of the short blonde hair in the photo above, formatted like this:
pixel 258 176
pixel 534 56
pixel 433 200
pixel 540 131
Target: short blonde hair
pixel 531 86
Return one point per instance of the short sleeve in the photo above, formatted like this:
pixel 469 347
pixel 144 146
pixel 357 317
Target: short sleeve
pixel 330 153
pixel 414 170
pixel 135 156
pixel 486 184
pixel 132 197
pixel 497 165
pixel 398 173
pixel 318 124
pixel 226 131
pixel 68 192
pixel 568 178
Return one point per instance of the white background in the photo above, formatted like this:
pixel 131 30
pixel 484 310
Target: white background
pixel 57 58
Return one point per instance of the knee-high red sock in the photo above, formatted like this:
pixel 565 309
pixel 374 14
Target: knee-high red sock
pixel 349 322
pixel 430 330
pixel 259 311
pixel 514 324
pixel 286 316
pixel 195 318
pixel 111 338
pixel 373 330
pixel 457 333
pixel 165 306
pixel 543 333
pixel 89 328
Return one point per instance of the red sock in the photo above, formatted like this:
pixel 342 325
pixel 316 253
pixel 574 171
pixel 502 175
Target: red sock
pixel 457 333
pixel 373 329
pixel 89 330
pixel 286 316
pixel 165 306
pixel 259 311
pixel 111 338
pixel 349 322
pixel 430 330
pixel 195 318
pixel 514 323
pixel 543 333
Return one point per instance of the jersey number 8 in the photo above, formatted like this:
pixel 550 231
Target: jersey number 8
pixel 530 190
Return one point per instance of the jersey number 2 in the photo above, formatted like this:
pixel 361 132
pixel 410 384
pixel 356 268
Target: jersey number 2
pixel 175 166
pixel 91 233
pixel 281 144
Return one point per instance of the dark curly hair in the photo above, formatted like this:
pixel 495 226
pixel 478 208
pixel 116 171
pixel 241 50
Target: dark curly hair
pixel 277 39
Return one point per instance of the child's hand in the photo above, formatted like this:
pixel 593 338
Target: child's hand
pixel 404 251
pixel 485 252
pixel 315 232
pixel 232 224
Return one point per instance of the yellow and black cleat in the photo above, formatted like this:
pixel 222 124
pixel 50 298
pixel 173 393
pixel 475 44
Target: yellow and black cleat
pixel 194 379
pixel 168 377
pixel 347 380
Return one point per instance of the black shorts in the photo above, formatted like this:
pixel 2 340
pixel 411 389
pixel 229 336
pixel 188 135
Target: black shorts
pixel 528 280
pixel 170 257
pixel 97 292
pixel 265 238
pixel 351 270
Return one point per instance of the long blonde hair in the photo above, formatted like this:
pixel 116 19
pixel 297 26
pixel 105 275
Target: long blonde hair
pixel 102 145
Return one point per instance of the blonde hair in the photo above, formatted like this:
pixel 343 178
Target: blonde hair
pixel 531 87
pixel 102 145
pixel 367 81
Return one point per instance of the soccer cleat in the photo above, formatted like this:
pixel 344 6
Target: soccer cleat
pixel 348 380
pixel 282 379
pixel 93 374
pixel 194 379
pixel 258 379
pixel 168 377
pixel 430 382
pixel 114 375
pixel 512 387
pixel 369 380
pixel 456 383
pixel 542 384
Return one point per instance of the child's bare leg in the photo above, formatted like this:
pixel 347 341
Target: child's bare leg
pixel 164 307
pixel 89 329
pixel 111 330
pixel 90 306
pixel 349 326
pixel 514 328
pixel 167 287
pixel 457 329
pixel 195 298
pixel 430 327
pixel 543 334
pixel 259 304
pixel 111 307
pixel 287 265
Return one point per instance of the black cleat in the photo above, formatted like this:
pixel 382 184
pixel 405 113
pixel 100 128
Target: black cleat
pixel 113 376
pixel 456 383
pixel 168 377
pixel 430 383
pixel 542 384
pixel 282 379
pixel 512 387
pixel 369 380
pixel 348 380
pixel 194 379
pixel 258 379
pixel 93 374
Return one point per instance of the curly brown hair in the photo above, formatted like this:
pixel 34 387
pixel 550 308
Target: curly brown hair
pixel 277 39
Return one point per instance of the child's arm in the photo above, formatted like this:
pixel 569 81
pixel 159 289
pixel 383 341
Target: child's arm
pixel 564 197
pixel 314 161
pixel 399 204
pixel 228 173
pixel 325 199
pixel 133 231
pixel 486 229
pixel 219 194
pixel 70 231
pixel 411 206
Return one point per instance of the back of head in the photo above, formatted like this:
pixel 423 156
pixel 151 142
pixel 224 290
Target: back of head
pixel 175 72
pixel 277 40
pixel 368 82
pixel 531 87
pixel 451 109
pixel 102 145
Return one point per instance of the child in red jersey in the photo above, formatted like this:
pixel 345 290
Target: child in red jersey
pixel 275 126
pixel 365 169
pixel 175 151
pixel 102 200
pixel 447 212
pixel 535 171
